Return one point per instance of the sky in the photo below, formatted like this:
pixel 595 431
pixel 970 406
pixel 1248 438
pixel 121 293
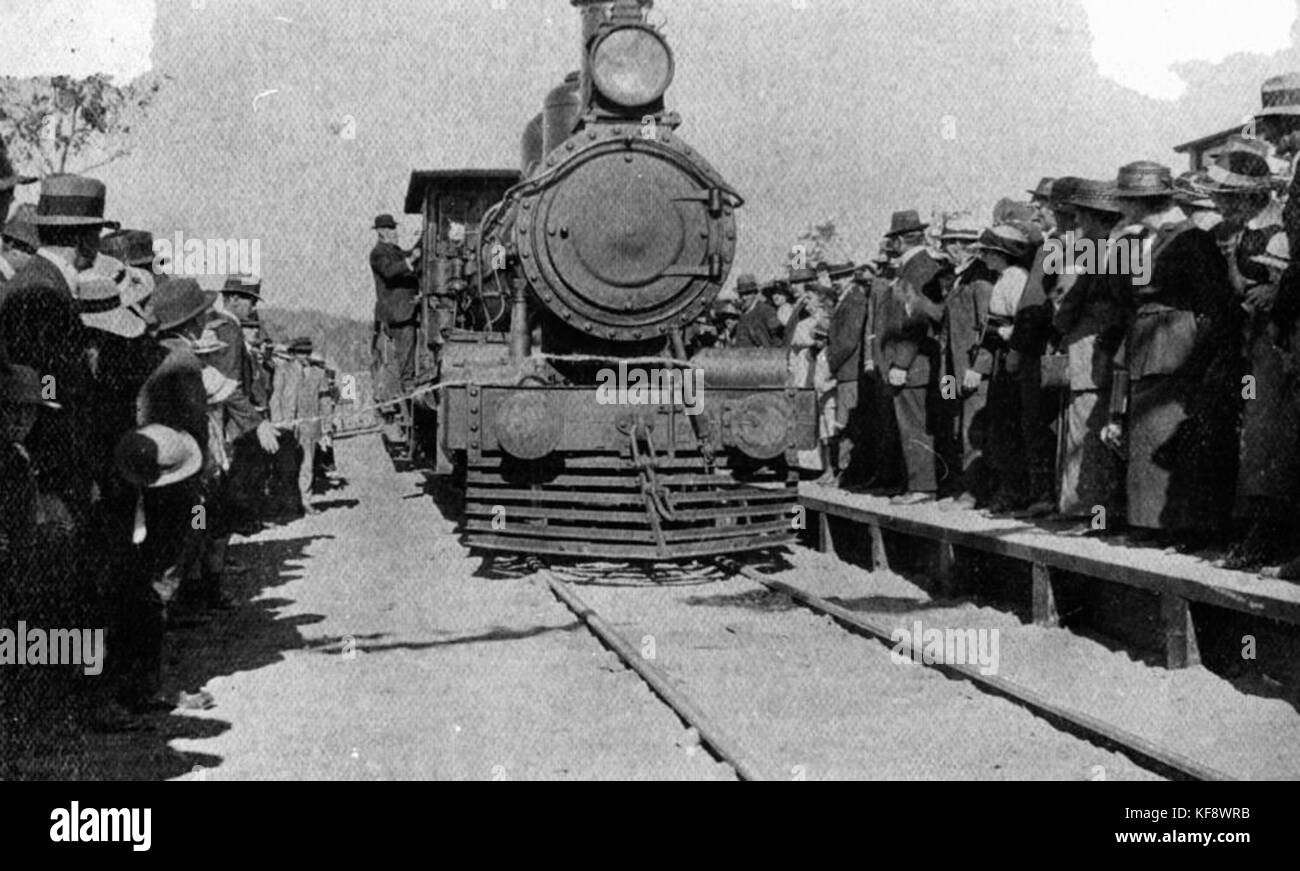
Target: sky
pixel 294 122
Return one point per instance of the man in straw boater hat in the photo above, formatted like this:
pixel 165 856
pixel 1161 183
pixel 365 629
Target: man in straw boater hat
pixel 1278 121
pixel 909 340
pixel 1089 319
pixel 296 410
pixel 1177 383
pixel 971 363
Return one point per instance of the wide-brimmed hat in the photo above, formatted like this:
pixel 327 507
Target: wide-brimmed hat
pixel 1241 167
pixel 157 455
pixel 1094 194
pixel 177 300
pixel 1062 188
pixel 21 385
pixel 959 228
pixel 132 247
pixel 1004 239
pixel 20 227
pixel 99 299
pixel 1142 179
pixel 803 275
pixel 903 222
pixel 1280 95
pixel 301 345
pixel 776 285
pixel 1277 253
pixel 840 270
pixel 1043 190
pixel 746 284
pixel 243 285
pixel 71 201
pixel 384 221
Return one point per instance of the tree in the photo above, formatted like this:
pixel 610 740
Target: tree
pixel 61 124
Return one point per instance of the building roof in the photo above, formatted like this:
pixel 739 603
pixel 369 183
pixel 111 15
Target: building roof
pixel 423 179
pixel 1207 140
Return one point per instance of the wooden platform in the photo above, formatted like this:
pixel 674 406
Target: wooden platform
pixel 1177 578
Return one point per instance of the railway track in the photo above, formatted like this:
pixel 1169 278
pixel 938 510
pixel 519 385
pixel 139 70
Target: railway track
pixel 1078 733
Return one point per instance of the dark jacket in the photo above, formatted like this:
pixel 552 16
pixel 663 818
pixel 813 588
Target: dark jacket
pixel 174 394
pixel 1091 321
pixel 396 285
pixel 844 338
pixel 967 318
pixel 760 327
pixel 40 328
pixel 909 340
pixel 240 413
pixel 1033 324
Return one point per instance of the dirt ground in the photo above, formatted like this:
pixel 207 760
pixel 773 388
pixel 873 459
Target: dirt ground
pixel 370 645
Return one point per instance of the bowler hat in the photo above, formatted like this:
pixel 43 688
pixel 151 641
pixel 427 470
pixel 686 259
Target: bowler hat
pixel 71 201
pixel 21 229
pixel 906 221
pixel 1280 95
pixel 1093 194
pixel 1143 178
pixel 746 284
pixel 384 221
pixel 157 455
pixel 243 285
pixel 132 247
pixel 1043 191
pixel 178 300
pixel 21 385
pixel 1004 239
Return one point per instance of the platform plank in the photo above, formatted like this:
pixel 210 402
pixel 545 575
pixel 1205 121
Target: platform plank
pixel 1179 575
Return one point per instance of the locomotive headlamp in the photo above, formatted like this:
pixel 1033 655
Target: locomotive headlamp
pixel 631 66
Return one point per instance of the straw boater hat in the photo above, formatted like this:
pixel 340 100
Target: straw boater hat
pixel 301 345
pixel 178 300
pixel 21 385
pixel 1004 239
pixel 71 201
pixel 1142 179
pixel 1277 254
pixel 1280 95
pixel 746 284
pixel 957 229
pixel 801 276
pixel 904 222
pixel 1099 196
pixel 157 455
pixel 1190 190
pixel 1241 167
pixel 100 302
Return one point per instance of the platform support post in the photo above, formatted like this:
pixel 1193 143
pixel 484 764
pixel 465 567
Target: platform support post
pixel 879 559
pixel 1044 599
pixel 1181 649
pixel 824 542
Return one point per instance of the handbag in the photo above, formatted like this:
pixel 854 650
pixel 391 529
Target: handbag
pixel 1054 370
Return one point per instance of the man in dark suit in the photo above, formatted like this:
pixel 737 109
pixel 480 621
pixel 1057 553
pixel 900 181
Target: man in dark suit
pixel 759 325
pixel 397 311
pixel 844 358
pixel 910 348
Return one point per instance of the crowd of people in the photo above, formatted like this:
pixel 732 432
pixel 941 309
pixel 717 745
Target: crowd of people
pixel 143 421
pixel 1121 352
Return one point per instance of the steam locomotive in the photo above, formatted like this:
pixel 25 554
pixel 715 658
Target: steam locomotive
pixel 555 302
